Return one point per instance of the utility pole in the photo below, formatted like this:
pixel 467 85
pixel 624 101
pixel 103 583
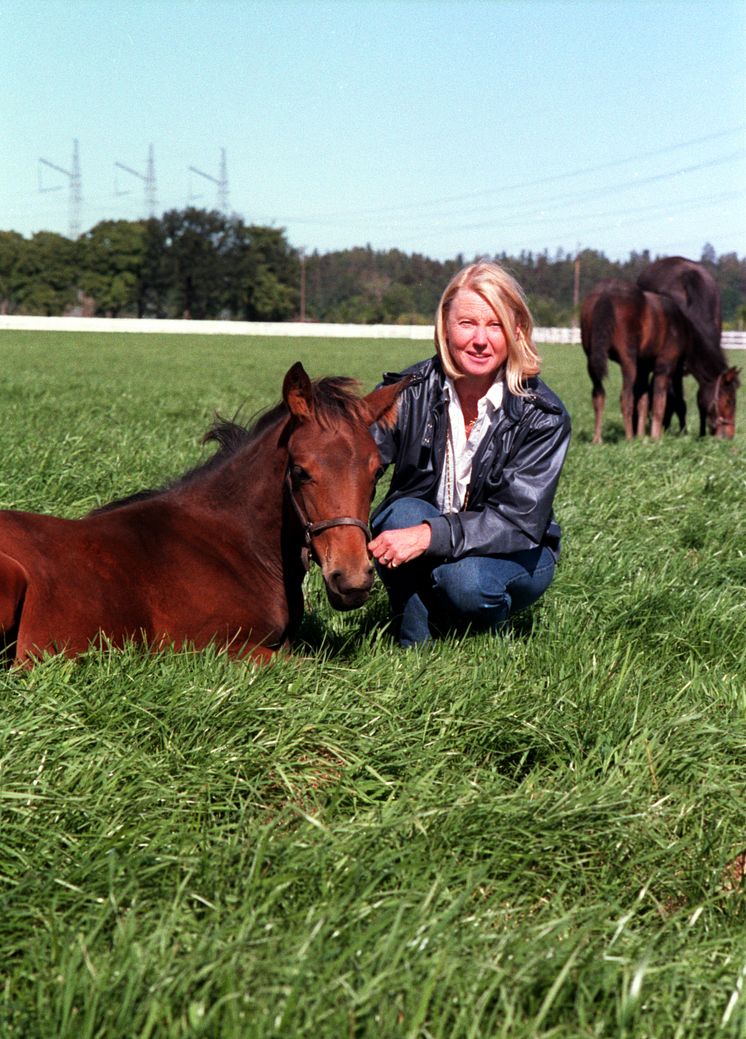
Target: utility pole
pixel 221 180
pixel 148 178
pixel 76 189
pixel 302 256
pixel 576 287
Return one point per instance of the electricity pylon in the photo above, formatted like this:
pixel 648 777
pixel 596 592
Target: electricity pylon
pixel 76 189
pixel 151 203
pixel 221 181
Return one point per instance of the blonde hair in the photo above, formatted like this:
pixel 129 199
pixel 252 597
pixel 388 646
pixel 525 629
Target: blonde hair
pixel 502 292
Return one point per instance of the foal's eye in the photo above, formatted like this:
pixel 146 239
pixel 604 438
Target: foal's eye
pixel 299 475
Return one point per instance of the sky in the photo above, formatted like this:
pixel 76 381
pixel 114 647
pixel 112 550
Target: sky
pixel 467 127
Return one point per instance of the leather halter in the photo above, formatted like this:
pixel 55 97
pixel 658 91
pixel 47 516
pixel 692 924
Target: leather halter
pixel 310 530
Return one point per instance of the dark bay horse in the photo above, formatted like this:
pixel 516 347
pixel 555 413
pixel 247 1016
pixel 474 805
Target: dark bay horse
pixel 217 556
pixel 695 292
pixel 646 335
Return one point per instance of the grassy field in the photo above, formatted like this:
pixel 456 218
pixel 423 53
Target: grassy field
pixel 518 837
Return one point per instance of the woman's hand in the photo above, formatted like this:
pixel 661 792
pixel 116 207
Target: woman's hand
pixel 394 547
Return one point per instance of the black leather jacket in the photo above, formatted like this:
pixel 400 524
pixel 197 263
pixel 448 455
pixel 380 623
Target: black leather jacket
pixel 514 474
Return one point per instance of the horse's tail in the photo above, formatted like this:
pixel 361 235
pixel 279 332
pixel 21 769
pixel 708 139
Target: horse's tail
pixel 601 336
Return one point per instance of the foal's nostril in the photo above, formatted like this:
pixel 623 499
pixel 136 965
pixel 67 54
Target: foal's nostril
pixel 344 583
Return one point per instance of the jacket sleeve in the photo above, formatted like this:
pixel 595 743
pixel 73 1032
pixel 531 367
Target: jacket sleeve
pixel 517 509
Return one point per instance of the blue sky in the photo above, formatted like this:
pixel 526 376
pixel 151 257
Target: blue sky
pixel 469 126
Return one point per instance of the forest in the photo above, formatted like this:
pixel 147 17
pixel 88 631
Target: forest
pixel 199 264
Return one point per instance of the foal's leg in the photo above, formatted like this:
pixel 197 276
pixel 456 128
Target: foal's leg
pixel 599 401
pixel 661 382
pixel 642 401
pixel 676 398
pixel 642 413
pixel 702 404
pixel 598 396
pixel 627 397
pixel 13 584
pixel 260 655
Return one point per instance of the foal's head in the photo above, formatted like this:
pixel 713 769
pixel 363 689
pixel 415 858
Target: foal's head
pixel 333 465
pixel 718 400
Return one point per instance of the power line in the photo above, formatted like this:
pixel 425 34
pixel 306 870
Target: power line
pixel 549 179
pixel 521 216
pixel 578 223
pixel 496 213
pixel 583 194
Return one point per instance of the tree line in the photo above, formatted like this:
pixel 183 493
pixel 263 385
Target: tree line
pixel 188 263
pixel 203 264
pixel 362 285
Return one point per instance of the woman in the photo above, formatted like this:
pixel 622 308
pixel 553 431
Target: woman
pixel 466 535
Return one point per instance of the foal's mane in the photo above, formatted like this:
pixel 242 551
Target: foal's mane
pixel 333 401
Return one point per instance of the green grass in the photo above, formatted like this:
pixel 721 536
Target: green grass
pixel 517 837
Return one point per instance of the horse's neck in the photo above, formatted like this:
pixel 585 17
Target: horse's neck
pixel 255 475
pixel 706 363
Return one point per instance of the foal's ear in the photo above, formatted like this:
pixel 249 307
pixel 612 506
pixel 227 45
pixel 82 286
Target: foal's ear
pixel 297 392
pixel 732 376
pixel 382 403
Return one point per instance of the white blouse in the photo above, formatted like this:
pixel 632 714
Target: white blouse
pixel 460 451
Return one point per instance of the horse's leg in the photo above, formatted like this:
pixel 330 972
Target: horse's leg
pixel 13 584
pixel 642 411
pixel 702 408
pixel 661 381
pixel 677 399
pixel 259 655
pixel 262 655
pixel 642 400
pixel 599 401
pixel 627 397
pixel 598 396
pixel 702 404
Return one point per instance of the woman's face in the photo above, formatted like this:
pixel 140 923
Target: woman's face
pixel 476 337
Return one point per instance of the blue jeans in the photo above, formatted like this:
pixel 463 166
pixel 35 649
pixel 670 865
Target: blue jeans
pixel 481 592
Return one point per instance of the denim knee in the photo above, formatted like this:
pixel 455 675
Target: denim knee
pixel 468 588
pixel 401 513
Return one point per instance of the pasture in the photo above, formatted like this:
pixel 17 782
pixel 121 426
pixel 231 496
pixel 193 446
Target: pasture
pixel 518 837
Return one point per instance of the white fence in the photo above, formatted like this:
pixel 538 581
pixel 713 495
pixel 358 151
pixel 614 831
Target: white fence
pixel 223 328
pixel 730 340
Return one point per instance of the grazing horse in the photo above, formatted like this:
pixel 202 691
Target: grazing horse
pixel 693 289
pixel 217 556
pixel 645 334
